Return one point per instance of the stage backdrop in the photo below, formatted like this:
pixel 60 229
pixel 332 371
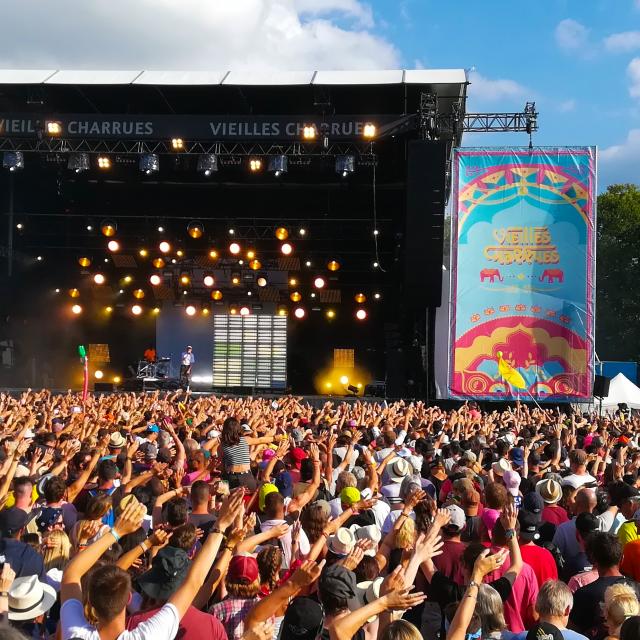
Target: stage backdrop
pixel 523 268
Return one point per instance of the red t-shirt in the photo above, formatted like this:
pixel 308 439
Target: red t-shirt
pixel 541 561
pixel 554 514
pixel 195 624
pixel 449 563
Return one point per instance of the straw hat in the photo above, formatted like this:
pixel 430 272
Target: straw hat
pixel 30 598
pixel 398 469
pixel 342 542
pixel 549 490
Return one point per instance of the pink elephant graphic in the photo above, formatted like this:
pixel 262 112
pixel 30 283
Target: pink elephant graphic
pixel 551 275
pixel 491 274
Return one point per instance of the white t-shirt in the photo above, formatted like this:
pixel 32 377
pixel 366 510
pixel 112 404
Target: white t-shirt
pixel 161 626
pixel 576 481
pixel 285 542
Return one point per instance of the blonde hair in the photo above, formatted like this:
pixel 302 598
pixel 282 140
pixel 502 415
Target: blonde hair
pixel 620 603
pixel 56 549
pixel 401 630
pixel 406 535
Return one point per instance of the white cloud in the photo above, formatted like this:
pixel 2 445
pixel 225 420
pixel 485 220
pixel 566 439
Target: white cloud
pixel 571 35
pixel 622 42
pixel 192 34
pixel 489 90
pixel 620 162
pixel 633 71
pixel 566 106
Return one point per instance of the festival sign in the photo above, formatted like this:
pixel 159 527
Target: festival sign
pixel 523 265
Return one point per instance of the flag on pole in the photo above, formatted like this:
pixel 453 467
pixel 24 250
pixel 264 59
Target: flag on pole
pixel 509 374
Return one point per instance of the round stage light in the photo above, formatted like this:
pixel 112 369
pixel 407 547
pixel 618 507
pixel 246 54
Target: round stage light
pixel 117 379
pixel 195 229
pixel 251 254
pixel 185 279
pixel 293 282
pixel 231 231
pixel 155 311
pixel 89 227
pixel 74 293
pixel 361 314
pixel 98 278
pixel 190 310
pixel 299 313
pixel 282 233
pixel 108 309
pixel 282 311
pixel 143 253
pixel 104 162
pixel 255 264
pixel 296 296
pixel 244 311
pixel 307 263
pixel 255 164
pixel 208 281
pixel 233 311
pixel 235 280
pixel 333 265
pixel 302 231
pixel 369 131
pixel 155 280
pixel 309 132
pixel 160 229
pixel 205 312
pixel 127 279
pixel 331 314
pixel 377 296
pixel 98 374
pixel 286 249
pixel 234 248
pixel 76 309
pixel 136 309
pixel 113 246
pixel 108 228
pixel 319 283
pixel 344 380
pixel 39 258
pixel 177 144
pixel 84 262
pixel 180 253
pixel 164 247
pixel 360 298
pixel 216 295
pixel 375 265
pixel 328 385
pixel 57 290
pixel 213 254
pixel 359 385
pixel 138 294
pixel 261 281
pixel 158 263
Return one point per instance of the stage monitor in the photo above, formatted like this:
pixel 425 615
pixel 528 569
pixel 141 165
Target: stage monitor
pixel 250 351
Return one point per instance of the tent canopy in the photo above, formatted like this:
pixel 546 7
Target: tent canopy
pixel 622 389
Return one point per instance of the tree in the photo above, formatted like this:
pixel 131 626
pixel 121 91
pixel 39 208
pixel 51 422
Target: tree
pixel 618 274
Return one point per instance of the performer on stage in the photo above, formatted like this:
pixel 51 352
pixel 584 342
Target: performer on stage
pixel 186 363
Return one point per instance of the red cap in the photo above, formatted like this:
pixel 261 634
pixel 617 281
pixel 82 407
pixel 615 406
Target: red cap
pixel 298 455
pixel 243 569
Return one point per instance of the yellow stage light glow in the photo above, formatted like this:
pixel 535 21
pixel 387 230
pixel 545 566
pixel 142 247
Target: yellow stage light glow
pixel 361 314
pixel 282 311
pixel 98 278
pixel 309 132
pixel 74 293
pixel 360 298
pixel 255 264
pixel 98 374
pixel 282 233
pixel 359 385
pixel 234 248
pixel 235 280
pixel 76 309
pixel 251 254
pixel 205 312
pixel 293 282
pixel 136 309
pixel 104 162
pixel 331 314
pixel 369 131
pixel 213 254
pixel 164 247
pixel 255 164
pixel 216 295
pixel 190 310
pixel 286 248
pixel 296 296
pixel 138 294
pixel 299 313
pixel 185 279
pixel 233 311
pixel 333 265
pixel 158 263
pixel 113 246
pixel 155 279
pixel 155 311
pixel 195 229
pixel 319 283
pixel 180 253
pixel 108 309
pixel 177 144
pixel 108 228
pixel 127 279
pixel 344 380
pixel 84 262
pixel 328 385
pixel 143 253
pixel 54 128
pixel 117 379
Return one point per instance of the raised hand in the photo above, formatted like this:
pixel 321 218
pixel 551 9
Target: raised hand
pixel 7 576
pixel 262 631
pixel 307 573
pixel 401 600
pixel 130 519
pixel 393 582
pixel 230 508
pixel 354 558
pixel 509 517
pixel 428 546
pixel 486 563
pixel 159 538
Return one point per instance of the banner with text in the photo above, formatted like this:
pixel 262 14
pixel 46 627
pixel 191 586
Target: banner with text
pixel 523 267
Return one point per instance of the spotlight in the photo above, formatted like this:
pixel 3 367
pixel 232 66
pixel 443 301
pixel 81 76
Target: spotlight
pixel 158 263
pixel 57 290
pixel 190 310
pixel 286 248
pixel 13 160
pixel 344 380
pixel 244 311
pixel 235 279
pixel 180 253
pixel 255 164
pixel 302 232
pixel 234 248
pixel 282 233
pixel 205 312
pixel 195 229
pixel 345 165
pixel 99 278
pixel 155 311
pixel 104 162
pixel 213 254
pixel 78 162
pixel 54 128
pixel 251 254
pixel 185 279
pixel 89 227
pixel 117 379
pixel 138 294
pixel 160 229
pixel 299 313
pixel 360 298
pixel 207 163
pixel 376 232
pixel 233 310
pixel 249 293
pixel 216 295
pixel 328 385
pixel 231 231
pixel 127 279
pixel 143 253
pixel 84 261
pixel 39 258
pixel 307 263
pixel 149 163
pixel 164 247
pixel 361 314
pixel 313 295
pixel 296 296
pixel 261 281
pixel 76 309
pixel 278 165
pixel 377 296
pixel 331 314
pixel 208 280
pixel 375 265
pixel 319 283
pixel 282 311
pixel 108 228
pixel 136 309
pixel 98 374
pixel 74 293
pixel 108 309
pixel 155 279
pixel 177 144
pixel 293 282
pixel 369 131
pixel 333 265
pixel 309 132
pixel 113 246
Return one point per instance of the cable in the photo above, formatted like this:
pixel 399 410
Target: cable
pixel 375 221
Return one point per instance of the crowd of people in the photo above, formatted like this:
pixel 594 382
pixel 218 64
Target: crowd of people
pixel 156 516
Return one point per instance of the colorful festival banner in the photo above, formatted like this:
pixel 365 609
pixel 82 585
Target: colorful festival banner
pixel 523 271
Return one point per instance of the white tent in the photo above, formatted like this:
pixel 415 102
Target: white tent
pixel 622 389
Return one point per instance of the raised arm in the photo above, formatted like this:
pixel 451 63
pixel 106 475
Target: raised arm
pixel 309 493
pixel 76 487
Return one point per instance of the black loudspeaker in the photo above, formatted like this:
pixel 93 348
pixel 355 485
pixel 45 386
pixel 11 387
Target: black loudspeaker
pixel 424 228
pixel 601 386
pixel 103 386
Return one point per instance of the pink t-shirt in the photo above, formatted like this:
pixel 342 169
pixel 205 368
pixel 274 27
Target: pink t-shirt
pixel 190 477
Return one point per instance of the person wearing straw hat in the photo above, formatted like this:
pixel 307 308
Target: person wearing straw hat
pixel 551 492
pixel 29 600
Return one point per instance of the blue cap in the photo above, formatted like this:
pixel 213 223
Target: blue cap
pixel 153 428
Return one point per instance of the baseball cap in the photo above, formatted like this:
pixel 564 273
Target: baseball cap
pixel 48 517
pixel 458 520
pixel 529 524
pixel 511 481
pixel 153 428
pixel 349 496
pixel 265 490
pixel 517 456
pixel 12 520
pixel 243 569
pixel 298 455
pixel 533 503
pixel 303 620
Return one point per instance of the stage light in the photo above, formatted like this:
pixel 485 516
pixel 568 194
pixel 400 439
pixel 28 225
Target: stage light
pixel 190 310
pixel 207 163
pixel 309 132
pixel 155 280
pixel 369 131
pixel 108 309
pixel 74 293
pixel 98 374
pixel 164 247
pixel 375 265
pixel 121 291
pixel 76 309
pixel 282 233
pixel 208 280
pixel 149 163
pixel 195 229
pixel 333 265
pixel 13 160
pixel 286 249
pixel 345 165
pixel 143 253
pixel 360 298
pixel 240 261
pixel 54 128
pixel 205 312
pixel 57 290
pixel 155 311
pixel 313 295
pixel 293 282
pixel 307 263
pixel 84 261
pixel 344 380
pixel 278 165
pixel 359 385
pixel 234 248
pixel 108 228
pixel 89 227
pixel 302 232
pixel 136 309
pixel 231 231
pixel 235 279
pixel 299 313
pixel 161 229
pixel 158 263
pixel 251 254
pixel 376 232
pixel 361 314
pixel 127 279
pixel 216 295
pixel 138 294
pixel 244 311
pixel 328 385
pixel 261 281
pixel 377 296
pixel 282 311
pixel 173 261
pixel 233 310
pixel 39 258
pixel 249 293
pixel 319 283
pixel 296 296
pixel 331 314
pixel 104 162
pixel 78 162
pixel 255 164
pixel 117 379
pixel 177 144
pixel 213 254
pixel 180 253
pixel 255 264
pixel 98 278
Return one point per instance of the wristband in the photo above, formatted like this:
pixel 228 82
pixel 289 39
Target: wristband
pixel 115 535
pixel 509 533
pixel 4 594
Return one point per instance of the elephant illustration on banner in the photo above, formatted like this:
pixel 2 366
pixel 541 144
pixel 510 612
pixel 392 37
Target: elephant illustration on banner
pixel 491 275
pixel 551 275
